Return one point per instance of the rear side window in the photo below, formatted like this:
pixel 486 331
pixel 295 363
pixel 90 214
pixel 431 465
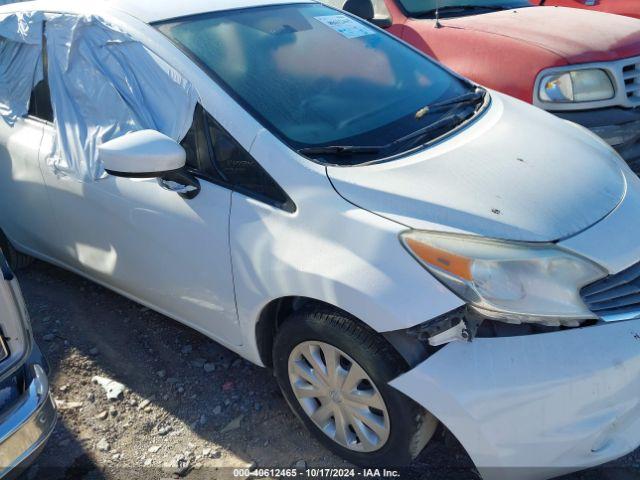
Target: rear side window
pixel 40 103
pixel 214 154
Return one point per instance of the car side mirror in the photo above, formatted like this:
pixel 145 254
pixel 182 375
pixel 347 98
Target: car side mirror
pixel 141 154
pixel 373 11
pixel 149 154
pixel 382 22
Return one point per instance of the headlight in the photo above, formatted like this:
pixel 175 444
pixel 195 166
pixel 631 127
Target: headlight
pixel 514 282
pixel 576 86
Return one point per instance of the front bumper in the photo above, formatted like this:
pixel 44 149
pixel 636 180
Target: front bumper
pixel 536 406
pixel 619 127
pixel 25 428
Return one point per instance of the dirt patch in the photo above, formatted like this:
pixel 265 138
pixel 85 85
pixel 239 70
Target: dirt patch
pixel 189 408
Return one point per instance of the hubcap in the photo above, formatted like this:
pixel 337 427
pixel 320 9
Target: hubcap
pixel 338 396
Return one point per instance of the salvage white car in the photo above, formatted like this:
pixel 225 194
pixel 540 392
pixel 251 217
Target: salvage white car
pixel 402 247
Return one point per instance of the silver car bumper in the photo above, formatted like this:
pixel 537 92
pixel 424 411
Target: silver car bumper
pixel 25 428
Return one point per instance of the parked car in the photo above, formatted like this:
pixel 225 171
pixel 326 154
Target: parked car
pixel 629 8
pixel 582 66
pixel 27 413
pixel 401 246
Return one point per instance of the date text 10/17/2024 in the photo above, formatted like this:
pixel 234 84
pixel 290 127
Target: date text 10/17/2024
pixel 316 472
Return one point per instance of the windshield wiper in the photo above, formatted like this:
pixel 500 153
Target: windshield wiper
pixel 469 97
pixel 339 150
pixel 449 121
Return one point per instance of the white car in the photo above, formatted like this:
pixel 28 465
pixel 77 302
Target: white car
pixel 402 247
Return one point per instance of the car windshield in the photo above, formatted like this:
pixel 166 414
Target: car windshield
pixel 316 77
pixel 454 8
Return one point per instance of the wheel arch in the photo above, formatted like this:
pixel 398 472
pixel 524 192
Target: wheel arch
pixel 274 313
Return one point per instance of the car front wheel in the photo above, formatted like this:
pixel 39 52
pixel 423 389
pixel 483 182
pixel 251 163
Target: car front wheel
pixel 334 373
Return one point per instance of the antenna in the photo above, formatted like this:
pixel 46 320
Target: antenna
pixel 438 24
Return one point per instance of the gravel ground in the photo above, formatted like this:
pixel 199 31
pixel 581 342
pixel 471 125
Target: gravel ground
pixel 189 407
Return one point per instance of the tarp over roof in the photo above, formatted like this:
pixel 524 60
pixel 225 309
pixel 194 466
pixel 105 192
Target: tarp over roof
pixel 20 62
pixel 103 85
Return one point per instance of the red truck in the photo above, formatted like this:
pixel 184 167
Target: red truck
pixel 629 8
pixel 580 65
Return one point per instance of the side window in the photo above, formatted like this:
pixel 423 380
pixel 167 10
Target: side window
pixel 191 147
pixel 213 154
pixel 197 148
pixel 40 102
pixel 241 170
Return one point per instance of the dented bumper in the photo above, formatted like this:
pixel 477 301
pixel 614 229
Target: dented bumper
pixel 536 406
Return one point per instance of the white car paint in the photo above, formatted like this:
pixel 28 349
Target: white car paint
pixel 116 232
pixel 533 205
pixel 127 153
pixel 325 251
pixel 570 402
pixel 216 261
pixel 613 242
pixel 21 143
pixel 107 253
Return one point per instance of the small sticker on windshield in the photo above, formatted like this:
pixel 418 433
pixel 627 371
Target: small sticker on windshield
pixel 345 26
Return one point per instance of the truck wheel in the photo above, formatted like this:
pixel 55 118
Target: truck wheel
pixel 15 259
pixel 333 372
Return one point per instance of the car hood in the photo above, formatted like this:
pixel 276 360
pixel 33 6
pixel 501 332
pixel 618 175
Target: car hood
pixel 514 173
pixel 577 35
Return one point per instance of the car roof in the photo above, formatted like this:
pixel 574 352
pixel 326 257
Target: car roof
pixel 149 11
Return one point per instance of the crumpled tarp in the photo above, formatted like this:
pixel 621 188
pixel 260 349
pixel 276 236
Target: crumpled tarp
pixel 103 85
pixel 20 62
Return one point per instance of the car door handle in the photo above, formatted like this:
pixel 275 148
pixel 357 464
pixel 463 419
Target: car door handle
pixel 181 182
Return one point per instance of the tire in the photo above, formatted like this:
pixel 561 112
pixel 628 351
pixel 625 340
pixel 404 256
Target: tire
pixel 403 427
pixel 15 259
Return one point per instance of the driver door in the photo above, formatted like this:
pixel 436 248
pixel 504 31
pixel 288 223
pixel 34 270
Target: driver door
pixel 150 244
